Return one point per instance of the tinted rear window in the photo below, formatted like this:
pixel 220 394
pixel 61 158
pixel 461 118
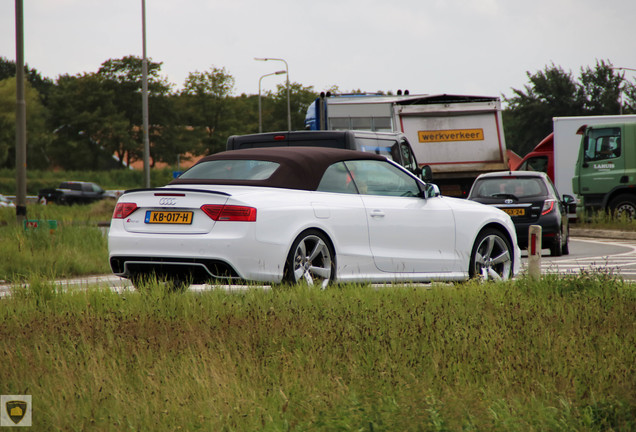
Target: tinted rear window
pixel 517 186
pixel 231 170
pixel 330 143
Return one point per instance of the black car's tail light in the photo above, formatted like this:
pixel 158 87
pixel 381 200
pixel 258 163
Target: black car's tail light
pixel 548 206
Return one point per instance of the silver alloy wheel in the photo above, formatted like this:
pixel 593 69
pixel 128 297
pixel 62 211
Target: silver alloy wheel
pixel 312 261
pixel 492 260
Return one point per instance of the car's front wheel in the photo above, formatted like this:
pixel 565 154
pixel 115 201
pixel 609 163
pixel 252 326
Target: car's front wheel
pixel 492 256
pixel 311 259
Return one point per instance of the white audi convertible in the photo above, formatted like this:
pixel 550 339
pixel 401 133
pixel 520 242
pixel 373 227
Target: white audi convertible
pixel 318 215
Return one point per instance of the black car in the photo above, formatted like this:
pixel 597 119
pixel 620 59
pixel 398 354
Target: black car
pixel 529 198
pixel 72 192
pixel 393 145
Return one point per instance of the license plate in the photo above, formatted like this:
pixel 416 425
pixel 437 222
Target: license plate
pixel 169 217
pixel 515 211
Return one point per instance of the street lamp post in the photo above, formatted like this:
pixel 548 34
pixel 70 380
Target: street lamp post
pixel 260 114
pixel 20 117
pixel 287 85
pixel 621 89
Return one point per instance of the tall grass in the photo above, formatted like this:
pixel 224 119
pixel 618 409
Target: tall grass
pixel 551 355
pixel 76 247
pixel 604 220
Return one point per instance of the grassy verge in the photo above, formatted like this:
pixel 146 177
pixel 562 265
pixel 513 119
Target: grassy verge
pixel 76 247
pixel 551 355
pixel 603 221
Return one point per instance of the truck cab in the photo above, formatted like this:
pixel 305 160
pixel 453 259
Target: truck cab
pixel 541 158
pixel 605 173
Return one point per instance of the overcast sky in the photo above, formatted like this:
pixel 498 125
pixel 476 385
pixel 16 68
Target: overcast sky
pixel 478 47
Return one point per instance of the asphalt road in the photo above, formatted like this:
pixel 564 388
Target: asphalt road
pixel 593 254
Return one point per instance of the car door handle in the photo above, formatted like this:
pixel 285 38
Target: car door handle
pixel 377 213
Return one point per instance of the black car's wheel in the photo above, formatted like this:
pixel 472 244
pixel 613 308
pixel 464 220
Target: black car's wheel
pixel 492 256
pixel 311 259
pixel 556 246
pixel 565 249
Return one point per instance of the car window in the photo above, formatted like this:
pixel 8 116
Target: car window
pixel 408 160
pixel 520 187
pixel 231 170
pixel 537 163
pixel 603 144
pixel 388 148
pixel 337 178
pixel 374 177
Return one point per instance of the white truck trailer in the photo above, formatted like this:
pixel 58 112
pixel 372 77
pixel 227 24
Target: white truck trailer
pixel 458 136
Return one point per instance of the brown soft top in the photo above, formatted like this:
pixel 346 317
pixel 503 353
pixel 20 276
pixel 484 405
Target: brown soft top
pixel 300 167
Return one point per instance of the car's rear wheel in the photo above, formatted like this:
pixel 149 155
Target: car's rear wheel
pixel 311 259
pixel 565 250
pixel 556 248
pixel 492 256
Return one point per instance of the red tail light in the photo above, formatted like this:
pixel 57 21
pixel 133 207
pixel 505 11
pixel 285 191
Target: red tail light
pixel 548 206
pixel 229 213
pixel 123 210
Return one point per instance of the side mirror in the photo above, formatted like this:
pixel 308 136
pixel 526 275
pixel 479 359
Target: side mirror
pixel 570 203
pixel 427 173
pixel 431 191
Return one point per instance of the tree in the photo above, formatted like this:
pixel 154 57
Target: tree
pixel 88 125
pixel 629 97
pixel 38 138
pixel 38 82
pixel 554 93
pixel 207 95
pixel 98 115
pixel 528 118
pixel 300 99
pixel 600 89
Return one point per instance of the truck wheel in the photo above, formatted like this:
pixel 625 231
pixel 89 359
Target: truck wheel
pixel 624 205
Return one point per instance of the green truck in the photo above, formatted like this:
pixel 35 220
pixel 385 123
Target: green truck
pixel 605 171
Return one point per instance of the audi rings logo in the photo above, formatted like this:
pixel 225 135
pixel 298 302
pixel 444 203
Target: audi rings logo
pixel 167 201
